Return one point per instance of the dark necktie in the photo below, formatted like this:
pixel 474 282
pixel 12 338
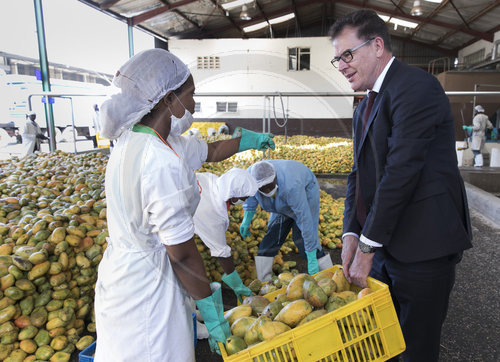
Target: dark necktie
pixel 360 204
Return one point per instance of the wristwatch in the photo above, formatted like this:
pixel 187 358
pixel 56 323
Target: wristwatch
pixel 365 248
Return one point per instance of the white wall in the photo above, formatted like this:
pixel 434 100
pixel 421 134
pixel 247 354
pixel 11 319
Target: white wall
pixel 488 46
pixel 260 65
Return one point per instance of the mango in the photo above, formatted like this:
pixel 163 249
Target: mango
pixel 234 344
pixel 60 357
pixel 294 290
pixel 44 353
pixel 17 355
pixel 340 281
pixel 328 286
pixel 314 295
pixel 285 278
pixel 313 315
pixel 84 342
pixel 334 302
pixel 42 338
pixel 28 345
pixel 252 334
pixel 241 325
pixel 325 274
pixel 59 343
pixel 363 292
pixel 28 332
pixel 347 295
pixel 255 286
pixel 294 312
pixel 269 329
pixel 272 309
pixel 235 313
pixel 257 303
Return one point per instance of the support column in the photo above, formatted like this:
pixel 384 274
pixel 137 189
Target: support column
pixel 130 39
pixel 44 68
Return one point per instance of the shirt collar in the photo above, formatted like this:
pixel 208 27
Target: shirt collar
pixel 380 79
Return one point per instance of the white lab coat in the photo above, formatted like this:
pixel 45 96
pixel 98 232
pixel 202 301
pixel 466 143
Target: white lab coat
pixel 211 219
pixel 30 130
pixel 95 124
pixel 142 311
pixel 479 125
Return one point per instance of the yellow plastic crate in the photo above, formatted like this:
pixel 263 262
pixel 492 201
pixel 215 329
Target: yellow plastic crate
pixel 364 330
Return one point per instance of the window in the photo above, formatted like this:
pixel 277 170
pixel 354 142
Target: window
pixel 197 107
pixel 208 62
pixel 227 107
pixel 299 58
pixel 475 57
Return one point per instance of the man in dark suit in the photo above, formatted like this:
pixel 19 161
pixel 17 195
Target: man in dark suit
pixel 406 219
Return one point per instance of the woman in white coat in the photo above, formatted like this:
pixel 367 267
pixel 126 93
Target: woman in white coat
pixel 479 124
pixel 211 218
pixel 151 265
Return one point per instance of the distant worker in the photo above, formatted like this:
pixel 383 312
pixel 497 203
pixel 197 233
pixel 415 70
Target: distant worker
pixel 223 129
pixel 478 128
pixel 32 134
pixel 211 132
pixel 290 192
pixel 211 218
pixel 94 128
pixel 194 132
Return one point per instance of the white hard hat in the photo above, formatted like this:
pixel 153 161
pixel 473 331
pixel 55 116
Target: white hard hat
pixel 479 108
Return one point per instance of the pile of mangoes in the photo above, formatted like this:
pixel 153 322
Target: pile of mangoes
pixel 323 155
pixel 306 298
pixel 53 233
pixel 204 126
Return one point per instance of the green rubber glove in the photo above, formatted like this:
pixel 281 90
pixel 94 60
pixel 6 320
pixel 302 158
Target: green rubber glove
pixel 253 140
pixel 245 224
pixel 212 312
pixel 235 283
pixel 467 128
pixel 312 262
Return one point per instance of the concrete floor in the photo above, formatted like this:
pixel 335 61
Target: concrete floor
pixel 471 331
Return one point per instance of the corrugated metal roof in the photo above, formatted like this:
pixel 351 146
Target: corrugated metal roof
pixel 447 26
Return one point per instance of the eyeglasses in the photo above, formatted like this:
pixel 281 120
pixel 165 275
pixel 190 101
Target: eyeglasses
pixel 347 55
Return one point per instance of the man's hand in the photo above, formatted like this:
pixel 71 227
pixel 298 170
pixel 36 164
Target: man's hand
pixel 349 247
pixel 360 268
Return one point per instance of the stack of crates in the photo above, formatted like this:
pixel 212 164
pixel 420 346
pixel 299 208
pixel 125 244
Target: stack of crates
pixel 364 330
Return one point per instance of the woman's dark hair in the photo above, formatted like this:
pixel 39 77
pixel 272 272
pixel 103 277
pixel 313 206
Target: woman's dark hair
pixel 367 23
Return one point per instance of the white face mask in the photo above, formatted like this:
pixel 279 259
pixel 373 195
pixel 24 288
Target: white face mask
pixel 270 193
pixel 180 125
pixel 239 202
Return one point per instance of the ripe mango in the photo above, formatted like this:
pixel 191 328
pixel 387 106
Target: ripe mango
pixel 257 303
pixel 294 312
pixel 285 278
pixel 294 290
pixel 363 292
pixel 241 325
pixel 341 281
pixel 335 302
pixel 272 309
pixel 252 334
pixel 235 313
pixel 269 329
pixel 328 286
pixel 313 315
pixel 234 344
pixel 325 274
pixel 313 293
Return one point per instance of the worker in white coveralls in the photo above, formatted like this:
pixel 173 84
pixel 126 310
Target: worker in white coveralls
pixel 151 265
pixel 32 134
pixel 211 218
pixel 479 124
pixel 290 192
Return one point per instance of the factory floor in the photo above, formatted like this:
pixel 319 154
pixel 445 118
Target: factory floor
pixel 471 331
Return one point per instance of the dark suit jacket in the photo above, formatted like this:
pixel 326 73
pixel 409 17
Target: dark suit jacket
pixel 407 165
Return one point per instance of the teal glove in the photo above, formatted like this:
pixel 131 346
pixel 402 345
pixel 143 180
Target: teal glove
pixel 245 224
pixel 213 315
pixel 254 141
pixel 312 262
pixel 235 283
pixel 467 128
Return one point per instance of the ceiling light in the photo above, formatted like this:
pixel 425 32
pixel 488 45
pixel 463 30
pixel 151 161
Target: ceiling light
pixel 255 27
pixel 281 19
pixel 234 4
pixel 244 13
pixel 399 22
pixel 416 10
pixel 435 1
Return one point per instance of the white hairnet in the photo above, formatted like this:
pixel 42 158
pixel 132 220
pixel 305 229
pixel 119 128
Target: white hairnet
pixel 236 183
pixel 211 132
pixel 31 113
pixel 138 86
pixel 263 172
pixel 479 108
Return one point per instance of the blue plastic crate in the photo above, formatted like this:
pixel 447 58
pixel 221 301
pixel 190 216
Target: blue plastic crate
pixel 86 354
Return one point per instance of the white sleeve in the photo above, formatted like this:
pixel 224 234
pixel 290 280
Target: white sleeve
pixel 169 196
pixel 194 150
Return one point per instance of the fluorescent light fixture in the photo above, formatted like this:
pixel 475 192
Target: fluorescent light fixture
pixel 250 28
pixel 399 22
pixel 435 1
pixel 281 19
pixel 235 4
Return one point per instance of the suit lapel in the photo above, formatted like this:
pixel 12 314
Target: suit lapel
pixel 376 105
